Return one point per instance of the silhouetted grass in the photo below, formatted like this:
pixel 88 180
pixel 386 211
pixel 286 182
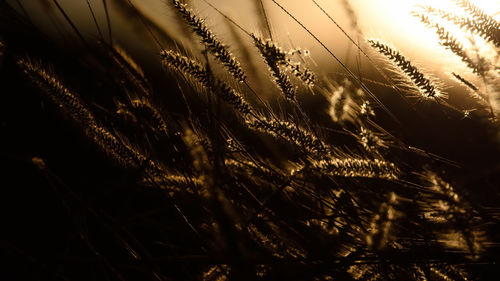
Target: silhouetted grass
pixel 178 166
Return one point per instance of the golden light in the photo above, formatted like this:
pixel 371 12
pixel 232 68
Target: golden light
pixel 391 20
pixel 388 20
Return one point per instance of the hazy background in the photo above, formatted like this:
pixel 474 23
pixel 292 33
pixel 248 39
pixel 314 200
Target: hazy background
pixel 389 20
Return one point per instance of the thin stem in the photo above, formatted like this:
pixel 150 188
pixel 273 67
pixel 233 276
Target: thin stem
pixel 95 20
pixel 363 86
pixel 108 22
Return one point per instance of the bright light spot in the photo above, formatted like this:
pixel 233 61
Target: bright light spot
pixel 391 20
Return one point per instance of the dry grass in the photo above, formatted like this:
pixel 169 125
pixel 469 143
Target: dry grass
pixel 207 178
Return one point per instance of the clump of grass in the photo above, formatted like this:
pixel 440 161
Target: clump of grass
pixel 315 201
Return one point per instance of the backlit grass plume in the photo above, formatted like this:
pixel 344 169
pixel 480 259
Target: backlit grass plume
pixel 275 58
pixel 280 61
pixel 478 22
pixel 482 24
pixel 446 206
pixel 203 76
pixel 478 66
pixel 73 107
pixel 422 83
pixel 130 68
pixel 465 81
pixel 381 224
pixel 289 131
pixel 472 89
pixel 370 140
pixel 151 114
pixel 211 42
pixel 346 102
pixel 356 167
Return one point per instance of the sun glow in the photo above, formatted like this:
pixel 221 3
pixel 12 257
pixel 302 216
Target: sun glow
pixel 394 18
